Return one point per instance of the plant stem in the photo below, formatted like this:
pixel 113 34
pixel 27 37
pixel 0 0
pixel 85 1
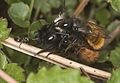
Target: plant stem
pixel 80 8
pixel 31 7
pixel 7 78
pixel 36 13
pixel 112 35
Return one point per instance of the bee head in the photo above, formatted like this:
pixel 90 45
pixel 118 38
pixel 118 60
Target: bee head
pixel 84 30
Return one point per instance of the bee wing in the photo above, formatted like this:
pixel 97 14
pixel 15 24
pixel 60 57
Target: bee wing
pixel 96 27
pixel 83 30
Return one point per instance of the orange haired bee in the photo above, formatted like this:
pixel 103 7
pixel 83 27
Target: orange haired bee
pixel 87 55
pixel 96 37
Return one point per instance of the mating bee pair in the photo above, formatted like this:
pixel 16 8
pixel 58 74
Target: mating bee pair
pixel 71 34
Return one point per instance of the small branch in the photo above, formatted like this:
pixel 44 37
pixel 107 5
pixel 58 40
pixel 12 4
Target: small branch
pixel 6 77
pixel 55 59
pixel 112 35
pixel 80 8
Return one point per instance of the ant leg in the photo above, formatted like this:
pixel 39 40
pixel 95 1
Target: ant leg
pixel 20 44
pixel 21 40
pixel 18 39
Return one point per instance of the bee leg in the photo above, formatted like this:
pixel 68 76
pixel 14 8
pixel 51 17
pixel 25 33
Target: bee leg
pixel 69 46
pixel 53 52
pixel 84 72
pixel 61 42
pixel 63 39
pixel 44 50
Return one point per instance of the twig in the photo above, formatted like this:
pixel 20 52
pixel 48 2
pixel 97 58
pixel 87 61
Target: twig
pixel 80 8
pixel 112 35
pixel 55 59
pixel 6 77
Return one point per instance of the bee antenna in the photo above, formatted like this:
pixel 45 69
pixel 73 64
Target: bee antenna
pixel 62 12
pixel 63 7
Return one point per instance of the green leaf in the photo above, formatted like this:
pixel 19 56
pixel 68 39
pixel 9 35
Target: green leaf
pixel 2 81
pixel 115 5
pixel 35 26
pixel 103 57
pixel 1 46
pixel 102 16
pixel 15 71
pixel 115 57
pixel 57 75
pixel 50 18
pixel 115 77
pixel 70 4
pixel 55 3
pixel 20 13
pixel 22 58
pixel 113 25
pixel 13 56
pixel 3 60
pixel 9 2
pixel 43 5
pixel 97 2
pixel 31 65
pixel 4 31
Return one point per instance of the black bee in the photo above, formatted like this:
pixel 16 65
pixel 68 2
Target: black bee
pixel 60 32
pixel 71 34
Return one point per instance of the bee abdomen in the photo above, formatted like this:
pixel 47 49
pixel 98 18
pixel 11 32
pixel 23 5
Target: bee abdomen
pixel 88 55
pixel 96 44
